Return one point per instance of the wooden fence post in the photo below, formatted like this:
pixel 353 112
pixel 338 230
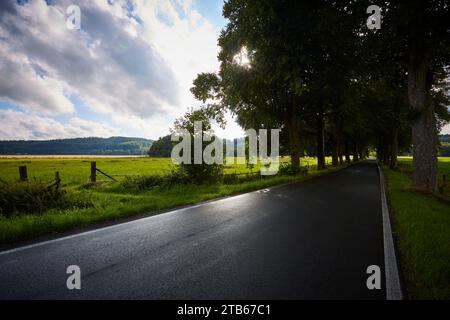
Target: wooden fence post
pixel 93 177
pixel 23 173
pixel 57 179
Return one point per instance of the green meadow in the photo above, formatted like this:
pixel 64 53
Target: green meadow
pixel 114 200
pixel 75 172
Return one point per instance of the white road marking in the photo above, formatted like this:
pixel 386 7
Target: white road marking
pixel 393 288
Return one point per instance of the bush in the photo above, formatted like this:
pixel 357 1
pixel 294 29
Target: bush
pixel 175 177
pixel 142 182
pixel 181 175
pixel 37 197
pixel 202 173
pixel 287 170
pixel 147 182
pixel 235 178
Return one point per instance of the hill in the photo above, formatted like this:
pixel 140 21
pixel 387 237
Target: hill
pixel 444 148
pixel 77 146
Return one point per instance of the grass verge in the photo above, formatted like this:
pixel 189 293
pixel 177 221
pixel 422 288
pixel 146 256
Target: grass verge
pixel 113 203
pixel 421 225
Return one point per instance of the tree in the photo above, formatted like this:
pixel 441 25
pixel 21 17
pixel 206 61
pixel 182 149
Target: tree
pixel 161 147
pixel 198 173
pixel 314 69
pixel 425 26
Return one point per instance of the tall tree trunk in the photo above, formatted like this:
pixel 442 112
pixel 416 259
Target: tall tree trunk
pixel 386 155
pixel 355 152
pixel 361 154
pixel 292 126
pixel 335 151
pixel 379 153
pixel 394 149
pixel 347 152
pixel 340 151
pixel 320 141
pixel 420 79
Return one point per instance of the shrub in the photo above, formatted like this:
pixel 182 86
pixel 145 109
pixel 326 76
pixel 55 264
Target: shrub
pixel 288 170
pixel 202 173
pixel 235 178
pixel 147 182
pixel 37 197
pixel 175 177
pixel 142 182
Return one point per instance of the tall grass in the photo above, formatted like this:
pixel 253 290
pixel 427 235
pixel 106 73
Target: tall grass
pixel 18 198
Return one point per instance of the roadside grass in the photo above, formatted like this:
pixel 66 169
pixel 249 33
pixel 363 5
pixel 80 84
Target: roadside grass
pixel 112 202
pixel 422 231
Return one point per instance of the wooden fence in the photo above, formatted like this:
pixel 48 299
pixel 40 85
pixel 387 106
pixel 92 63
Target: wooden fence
pixel 94 172
pixel 23 176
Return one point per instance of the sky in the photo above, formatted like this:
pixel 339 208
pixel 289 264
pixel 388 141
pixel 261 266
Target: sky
pixel 126 72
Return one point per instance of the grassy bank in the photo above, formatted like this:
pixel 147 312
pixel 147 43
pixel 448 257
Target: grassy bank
pixel 112 201
pixel 422 229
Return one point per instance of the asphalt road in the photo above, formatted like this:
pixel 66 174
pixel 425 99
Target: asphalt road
pixel 310 240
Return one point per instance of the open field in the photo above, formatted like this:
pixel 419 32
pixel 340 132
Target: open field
pixel 65 156
pixel 75 170
pixel 114 200
pixel 421 224
pixel 443 164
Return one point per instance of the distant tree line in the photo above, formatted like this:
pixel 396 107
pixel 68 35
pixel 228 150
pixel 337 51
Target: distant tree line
pixel 161 147
pixel 444 148
pixel 78 146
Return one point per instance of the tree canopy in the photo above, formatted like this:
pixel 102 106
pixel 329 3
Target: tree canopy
pixel 333 85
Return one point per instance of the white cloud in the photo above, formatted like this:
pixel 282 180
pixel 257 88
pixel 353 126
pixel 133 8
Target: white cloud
pixel 18 125
pixel 137 66
pixel 446 129
pixel 22 83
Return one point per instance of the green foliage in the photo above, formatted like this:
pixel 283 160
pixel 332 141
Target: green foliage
pixel 18 198
pixel 286 169
pixel 142 182
pixel 198 173
pixel 161 147
pixel 235 178
pixel 175 177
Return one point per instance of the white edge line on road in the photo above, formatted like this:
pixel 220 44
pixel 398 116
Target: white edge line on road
pixel 38 244
pixel 393 288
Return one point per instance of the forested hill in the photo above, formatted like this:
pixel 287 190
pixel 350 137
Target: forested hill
pixel 444 148
pixel 77 146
